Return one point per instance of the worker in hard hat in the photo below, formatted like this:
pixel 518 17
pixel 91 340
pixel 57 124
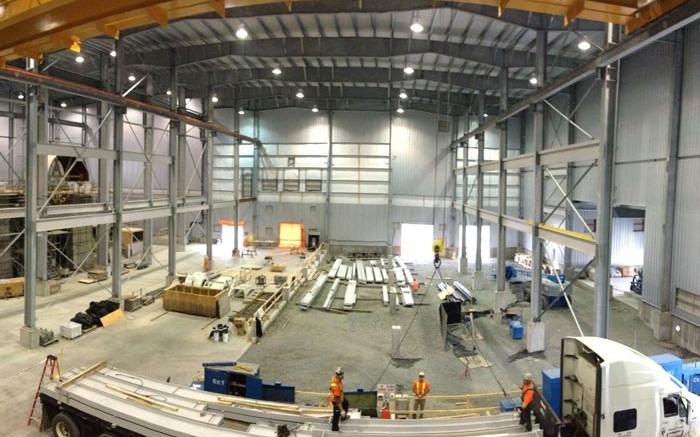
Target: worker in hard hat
pixel 528 393
pixel 421 388
pixel 337 398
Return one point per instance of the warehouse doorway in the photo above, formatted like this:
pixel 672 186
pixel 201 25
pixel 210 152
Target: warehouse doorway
pixel 471 242
pixel 627 250
pixel 416 242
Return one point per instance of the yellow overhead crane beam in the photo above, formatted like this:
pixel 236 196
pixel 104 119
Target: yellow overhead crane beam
pixel 29 28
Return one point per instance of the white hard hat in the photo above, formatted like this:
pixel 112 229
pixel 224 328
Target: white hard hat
pixel 421 374
pixel 339 371
pixel 527 376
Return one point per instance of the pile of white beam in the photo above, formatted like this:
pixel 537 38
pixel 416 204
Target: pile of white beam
pixel 342 271
pixel 310 295
pixel 361 278
pixel 407 297
pixel 369 274
pixel 408 275
pixel 400 278
pixel 349 273
pixel 331 294
pixel 376 271
pixel 333 272
pixel 385 295
pixel 350 295
pixel 385 276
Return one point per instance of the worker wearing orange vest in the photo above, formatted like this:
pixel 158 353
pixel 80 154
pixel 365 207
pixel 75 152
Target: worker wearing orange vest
pixel 337 398
pixel 421 388
pixel 528 393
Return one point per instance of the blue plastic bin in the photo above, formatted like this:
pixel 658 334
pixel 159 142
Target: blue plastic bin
pixel 516 330
pixel 671 363
pixel 510 405
pixel 691 377
pixel 551 388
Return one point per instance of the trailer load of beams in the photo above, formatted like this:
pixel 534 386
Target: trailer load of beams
pixel 350 295
pixel 310 295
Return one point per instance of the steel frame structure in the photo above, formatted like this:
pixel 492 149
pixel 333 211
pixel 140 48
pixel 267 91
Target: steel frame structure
pixel 115 210
pixel 598 151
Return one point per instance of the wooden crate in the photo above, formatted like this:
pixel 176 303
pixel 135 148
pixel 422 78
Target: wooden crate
pixel 13 287
pixel 195 300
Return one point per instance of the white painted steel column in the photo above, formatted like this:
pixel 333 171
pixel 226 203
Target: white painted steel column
pixel 481 143
pixel 502 184
pixel 148 134
pixel 172 180
pixel 117 179
pixel 236 175
pixel 182 169
pixel 207 176
pixel 608 128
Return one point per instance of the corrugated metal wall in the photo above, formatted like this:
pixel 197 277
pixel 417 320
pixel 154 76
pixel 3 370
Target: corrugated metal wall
pixel 686 241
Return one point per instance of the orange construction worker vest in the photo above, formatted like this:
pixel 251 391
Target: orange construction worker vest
pixel 420 387
pixel 528 391
pixel 336 389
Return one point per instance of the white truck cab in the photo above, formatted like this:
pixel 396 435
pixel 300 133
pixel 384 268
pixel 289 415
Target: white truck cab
pixel 611 390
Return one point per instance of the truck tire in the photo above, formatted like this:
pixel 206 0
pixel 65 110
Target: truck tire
pixel 64 425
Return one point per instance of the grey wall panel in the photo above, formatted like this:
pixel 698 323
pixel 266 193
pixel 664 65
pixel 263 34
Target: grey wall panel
pixel 420 156
pixel 690 108
pixel 514 136
pixel 587 189
pixel 634 183
pixel 360 127
pixel 686 241
pixel 359 224
pixel 293 125
pixel 645 100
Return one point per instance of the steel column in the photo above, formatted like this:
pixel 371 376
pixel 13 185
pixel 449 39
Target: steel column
pixel 329 179
pixel 453 180
pixel 117 179
pixel 481 143
pixel 571 136
pixel 104 140
pixel 182 168
pixel 148 121
pixel 30 206
pixel 608 124
pixel 236 176
pixel 172 180
pixel 207 183
pixel 42 188
pixel 537 214
pixel 672 176
pixel 502 185
pixel 256 172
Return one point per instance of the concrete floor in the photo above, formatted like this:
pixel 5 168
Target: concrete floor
pixel 300 348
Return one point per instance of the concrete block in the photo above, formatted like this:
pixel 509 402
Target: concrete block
pixel 478 281
pixel 686 335
pixel 29 337
pixel 395 341
pixel 660 322
pixel 535 336
pixel 463 265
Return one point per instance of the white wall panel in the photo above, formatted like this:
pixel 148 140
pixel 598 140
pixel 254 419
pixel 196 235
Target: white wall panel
pixel 361 127
pixel 690 107
pixel 293 125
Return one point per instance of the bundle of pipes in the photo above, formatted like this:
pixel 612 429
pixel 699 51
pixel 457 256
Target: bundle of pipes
pixel 461 289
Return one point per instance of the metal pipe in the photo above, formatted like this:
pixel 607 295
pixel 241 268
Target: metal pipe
pixel 17 75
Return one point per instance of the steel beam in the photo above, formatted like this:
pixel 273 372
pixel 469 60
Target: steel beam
pixel 502 185
pixel 606 163
pixel 329 179
pixel 181 168
pixel 104 141
pixel 207 179
pixel 42 188
pixel 676 19
pixel 236 178
pixel 538 181
pixel 17 75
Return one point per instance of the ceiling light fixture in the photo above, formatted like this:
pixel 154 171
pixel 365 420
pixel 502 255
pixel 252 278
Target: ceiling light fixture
pixel 20 96
pixel 486 115
pixel 399 110
pixel 300 94
pixel 169 93
pixel 113 53
pixel 314 109
pixel 131 77
pixel 241 111
pixel 408 69
pixel 241 33
pixel 215 98
pixel 584 45
pixel 403 95
pixel 533 80
pixel 416 26
pixel 276 71
pixel 64 104
pixel 79 59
